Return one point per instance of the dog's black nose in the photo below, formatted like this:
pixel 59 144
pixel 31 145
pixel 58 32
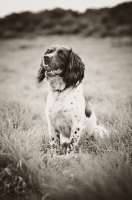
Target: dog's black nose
pixel 46 57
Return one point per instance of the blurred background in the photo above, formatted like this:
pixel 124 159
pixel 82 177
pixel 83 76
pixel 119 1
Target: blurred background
pixel 99 31
pixel 50 17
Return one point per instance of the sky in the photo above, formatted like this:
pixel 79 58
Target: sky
pixel 9 6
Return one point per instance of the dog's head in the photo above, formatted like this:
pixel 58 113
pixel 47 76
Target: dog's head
pixel 61 61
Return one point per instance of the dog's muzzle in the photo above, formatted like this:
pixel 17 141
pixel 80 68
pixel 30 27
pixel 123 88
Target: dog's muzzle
pixel 49 72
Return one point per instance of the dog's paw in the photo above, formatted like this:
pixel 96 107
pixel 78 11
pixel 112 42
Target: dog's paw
pixel 100 131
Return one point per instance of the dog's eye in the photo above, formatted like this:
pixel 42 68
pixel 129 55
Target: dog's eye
pixel 50 51
pixel 61 53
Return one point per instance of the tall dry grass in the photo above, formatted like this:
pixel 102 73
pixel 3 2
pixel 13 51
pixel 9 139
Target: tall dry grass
pixel 102 169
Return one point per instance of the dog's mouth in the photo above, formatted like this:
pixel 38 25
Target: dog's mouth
pixel 49 71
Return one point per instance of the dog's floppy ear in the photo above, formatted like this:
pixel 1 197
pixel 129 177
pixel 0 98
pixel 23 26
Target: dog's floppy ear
pixel 41 71
pixel 74 72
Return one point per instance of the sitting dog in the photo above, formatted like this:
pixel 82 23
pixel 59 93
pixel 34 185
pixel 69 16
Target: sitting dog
pixel 67 111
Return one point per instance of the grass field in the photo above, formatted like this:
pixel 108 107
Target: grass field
pixel 102 169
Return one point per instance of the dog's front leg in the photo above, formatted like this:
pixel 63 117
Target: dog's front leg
pixel 54 135
pixel 74 140
pixel 54 141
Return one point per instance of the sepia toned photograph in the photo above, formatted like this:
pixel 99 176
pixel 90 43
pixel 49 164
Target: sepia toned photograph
pixel 65 100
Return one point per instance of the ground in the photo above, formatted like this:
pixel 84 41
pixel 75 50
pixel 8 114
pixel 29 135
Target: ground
pixel 102 169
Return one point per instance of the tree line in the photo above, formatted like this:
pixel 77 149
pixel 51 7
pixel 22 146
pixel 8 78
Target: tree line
pixel 115 21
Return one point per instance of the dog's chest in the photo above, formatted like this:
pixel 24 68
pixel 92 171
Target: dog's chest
pixel 63 113
pixel 62 109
